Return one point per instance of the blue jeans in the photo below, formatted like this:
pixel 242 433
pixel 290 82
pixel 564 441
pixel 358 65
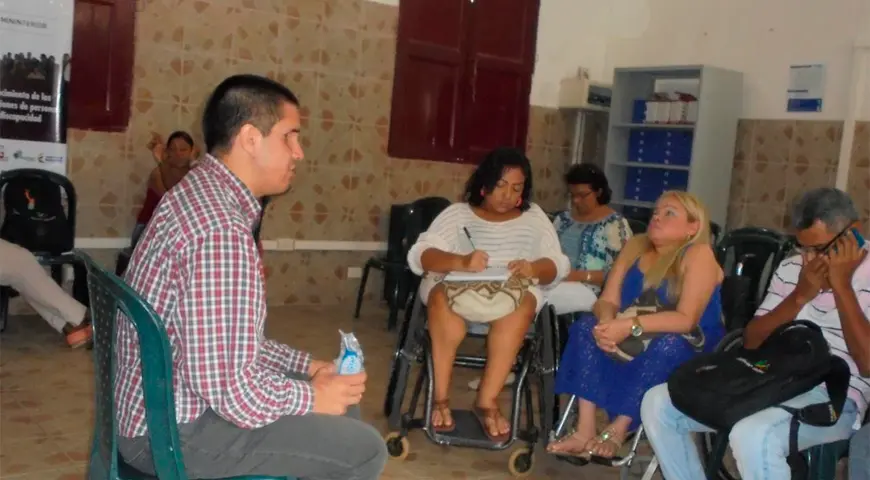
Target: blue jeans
pixel 759 442
pixel 859 455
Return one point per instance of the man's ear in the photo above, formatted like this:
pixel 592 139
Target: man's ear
pixel 248 139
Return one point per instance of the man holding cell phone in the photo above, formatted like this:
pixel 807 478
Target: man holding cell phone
pixel 828 283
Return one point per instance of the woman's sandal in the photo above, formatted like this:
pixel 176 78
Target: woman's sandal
pixel 609 436
pixel 442 406
pixel 493 415
pixel 582 454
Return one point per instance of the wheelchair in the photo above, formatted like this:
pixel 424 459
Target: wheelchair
pixel 536 363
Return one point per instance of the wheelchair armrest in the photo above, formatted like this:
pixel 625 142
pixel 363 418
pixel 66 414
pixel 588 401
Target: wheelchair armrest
pixel 49 259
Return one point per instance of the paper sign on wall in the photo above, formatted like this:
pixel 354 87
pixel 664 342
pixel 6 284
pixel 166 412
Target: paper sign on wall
pixel 806 88
pixel 35 41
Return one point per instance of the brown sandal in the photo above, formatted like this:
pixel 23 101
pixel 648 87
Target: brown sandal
pixel 491 414
pixel 442 406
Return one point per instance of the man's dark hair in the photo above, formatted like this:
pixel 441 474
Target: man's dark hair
pixel 490 171
pixel 831 206
pixel 240 100
pixel 588 174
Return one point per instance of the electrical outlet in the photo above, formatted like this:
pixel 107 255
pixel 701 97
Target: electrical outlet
pixel 354 272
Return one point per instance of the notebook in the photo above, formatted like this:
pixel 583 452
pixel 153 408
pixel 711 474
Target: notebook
pixel 490 274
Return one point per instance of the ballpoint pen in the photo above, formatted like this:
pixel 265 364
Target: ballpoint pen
pixel 469 238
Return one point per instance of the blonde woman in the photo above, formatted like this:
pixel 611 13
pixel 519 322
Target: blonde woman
pixel 664 288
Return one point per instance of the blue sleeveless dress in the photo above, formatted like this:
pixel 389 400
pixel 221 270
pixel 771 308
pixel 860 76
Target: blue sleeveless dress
pixel 617 387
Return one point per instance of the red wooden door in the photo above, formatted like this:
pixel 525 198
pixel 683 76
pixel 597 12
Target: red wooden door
pixel 501 59
pixel 101 70
pixel 427 87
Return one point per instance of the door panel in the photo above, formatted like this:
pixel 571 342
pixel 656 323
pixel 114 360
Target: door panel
pixel 430 65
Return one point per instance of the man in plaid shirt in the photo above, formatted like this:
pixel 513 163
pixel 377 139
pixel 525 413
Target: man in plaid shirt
pixel 245 405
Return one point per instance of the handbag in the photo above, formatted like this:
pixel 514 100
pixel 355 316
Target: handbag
pixel 646 304
pixel 486 301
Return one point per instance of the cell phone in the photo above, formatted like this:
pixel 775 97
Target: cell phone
pixel 858 237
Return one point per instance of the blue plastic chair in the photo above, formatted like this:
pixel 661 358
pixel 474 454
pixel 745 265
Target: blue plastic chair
pixel 108 295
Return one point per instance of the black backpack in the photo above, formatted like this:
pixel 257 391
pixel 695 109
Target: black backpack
pixel 722 388
pixel 35 216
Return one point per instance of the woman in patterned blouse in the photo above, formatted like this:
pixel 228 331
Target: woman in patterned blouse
pixel 591 235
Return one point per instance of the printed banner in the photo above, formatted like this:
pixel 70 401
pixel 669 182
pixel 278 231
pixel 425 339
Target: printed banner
pixel 35 44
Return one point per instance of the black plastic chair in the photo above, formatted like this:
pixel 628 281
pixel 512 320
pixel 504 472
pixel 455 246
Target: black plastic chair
pixel 37 218
pixel 637 226
pixel 749 256
pixel 715 232
pixel 413 220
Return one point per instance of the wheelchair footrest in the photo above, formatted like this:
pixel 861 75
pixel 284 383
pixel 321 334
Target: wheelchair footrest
pixel 468 433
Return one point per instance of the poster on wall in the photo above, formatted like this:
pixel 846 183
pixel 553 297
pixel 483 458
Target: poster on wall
pixel 806 88
pixel 35 44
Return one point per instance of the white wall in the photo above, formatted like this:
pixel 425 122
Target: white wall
pixel 571 34
pixel 760 38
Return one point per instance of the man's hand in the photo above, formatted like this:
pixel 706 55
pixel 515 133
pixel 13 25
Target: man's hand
pixel 316 365
pixel 844 257
pixel 333 393
pixel 812 278
pixel 475 261
pixel 521 269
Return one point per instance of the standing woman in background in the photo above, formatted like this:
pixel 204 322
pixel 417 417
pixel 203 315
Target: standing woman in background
pixel 173 162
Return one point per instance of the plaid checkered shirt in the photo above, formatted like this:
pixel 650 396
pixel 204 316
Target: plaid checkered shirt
pixel 197 264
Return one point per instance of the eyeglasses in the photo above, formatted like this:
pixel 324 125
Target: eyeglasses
pixel 819 249
pixel 582 195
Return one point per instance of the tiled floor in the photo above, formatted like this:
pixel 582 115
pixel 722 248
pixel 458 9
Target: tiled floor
pixel 46 402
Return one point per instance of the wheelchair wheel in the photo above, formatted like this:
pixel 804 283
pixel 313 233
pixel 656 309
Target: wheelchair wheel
pixel 548 346
pixel 394 368
pixel 408 346
pixel 398 446
pixel 728 468
pixel 521 462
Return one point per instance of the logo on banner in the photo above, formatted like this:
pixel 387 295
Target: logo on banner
pixel 41 158
pixel 19 155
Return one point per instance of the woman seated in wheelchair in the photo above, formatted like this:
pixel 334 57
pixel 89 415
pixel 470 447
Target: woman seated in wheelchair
pixel 499 230
pixel 659 307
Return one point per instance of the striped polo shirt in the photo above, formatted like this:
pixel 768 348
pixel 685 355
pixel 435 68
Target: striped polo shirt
pixel 822 311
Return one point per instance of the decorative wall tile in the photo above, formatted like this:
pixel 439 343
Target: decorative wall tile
pixel 209 27
pixel 817 143
pixel 374 102
pixel 303 44
pixel 344 13
pixel 379 19
pixel 337 98
pixel 312 10
pixel 772 141
pixel 861 146
pixel 378 57
pixel 342 49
